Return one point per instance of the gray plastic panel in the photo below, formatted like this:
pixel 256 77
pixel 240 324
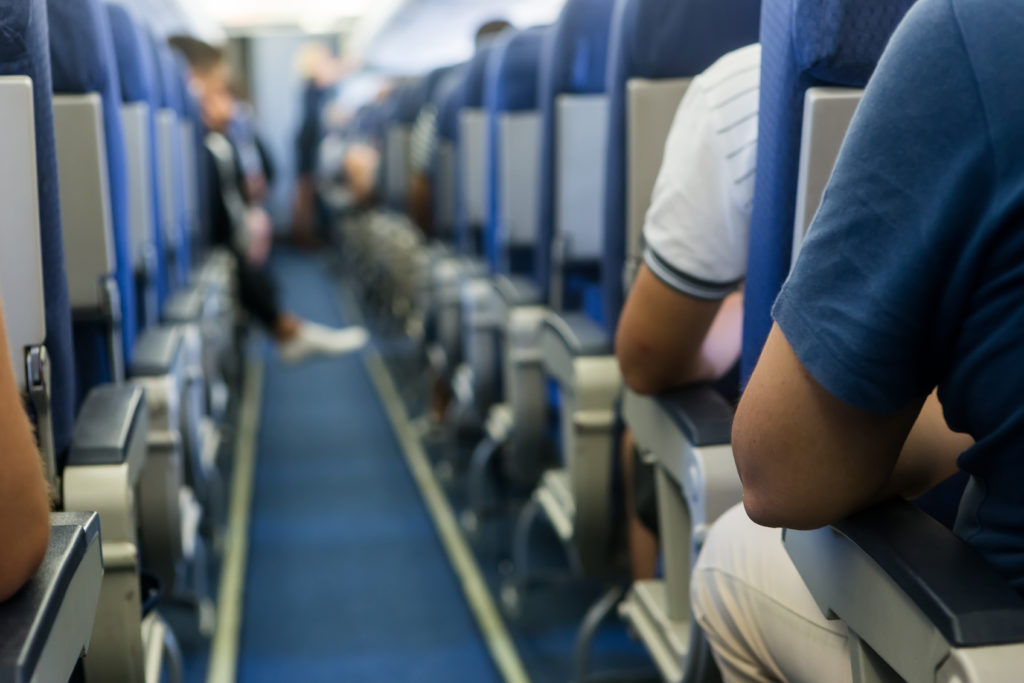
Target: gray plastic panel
pixel 189 175
pixel 157 351
pixel 167 141
pixel 45 627
pixel 652 107
pixel 84 197
pixel 107 425
pixel 135 118
pixel 581 158
pixel 474 152
pixel 445 188
pixel 21 270
pixel 396 165
pixel 518 170
pixel 827 115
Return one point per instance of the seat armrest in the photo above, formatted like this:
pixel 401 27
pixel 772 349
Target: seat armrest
pixel 853 568
pixel 157 351
pixel 702 415
pixel 517 291
pixel 45 627
pixel 110 426
pixel 581 335
pixel 185 306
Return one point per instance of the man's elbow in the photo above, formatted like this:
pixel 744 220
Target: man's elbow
pixel 641 370
pixel 773 496
pixel 25 553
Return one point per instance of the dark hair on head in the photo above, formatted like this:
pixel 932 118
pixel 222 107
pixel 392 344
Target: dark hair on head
pixel 201 56
pixel 490 30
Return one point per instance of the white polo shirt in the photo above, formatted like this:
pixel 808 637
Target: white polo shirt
pixel 697 229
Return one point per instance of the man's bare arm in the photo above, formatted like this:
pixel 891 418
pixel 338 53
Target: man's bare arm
pixel 24 503
pixel 667 339
pixel 807 459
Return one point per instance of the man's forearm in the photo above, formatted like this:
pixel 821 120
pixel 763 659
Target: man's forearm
pixel 929 454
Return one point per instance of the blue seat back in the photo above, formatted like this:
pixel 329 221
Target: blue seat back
pixel 82 59
pixel 805 44
pixel 511 86
pixel 470 96
pixel 573 61
pixel 171 88
pixel 446 100
pixel 25 51
pixel 139 84
pixel 653 39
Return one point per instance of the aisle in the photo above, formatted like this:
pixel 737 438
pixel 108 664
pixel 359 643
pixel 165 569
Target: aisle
pixel 346 577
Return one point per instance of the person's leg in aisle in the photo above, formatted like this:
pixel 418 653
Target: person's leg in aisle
pixel 761 621
pixel 297 339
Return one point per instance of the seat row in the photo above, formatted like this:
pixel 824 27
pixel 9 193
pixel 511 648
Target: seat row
pixel 548 145
pixel 119 324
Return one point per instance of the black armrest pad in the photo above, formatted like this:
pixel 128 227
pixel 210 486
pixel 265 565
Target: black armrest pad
pixel 967 600
pixel 156 351
pixel 106 424
pixel 581 335
pixel 27 618
pixel 185 306
pixel 702 415
pixel 517 290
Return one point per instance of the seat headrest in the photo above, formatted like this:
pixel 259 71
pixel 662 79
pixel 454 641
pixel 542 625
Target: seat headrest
pixel 474 77
pixel 578 47
pixel 134 59
pixel 81 52
pixel 840 42
pixel 166 66
pixel 404 104
pixel 657 40
pixel 512 72
pixel 805 43
pixel 449 99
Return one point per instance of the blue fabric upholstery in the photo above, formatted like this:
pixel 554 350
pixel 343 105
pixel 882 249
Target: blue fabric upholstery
pixel 511 86
pixel 405 103
pixel 573 60
pixel 471 96
pixel 805 43
pixel 25 51
pixel 82 59
pixel 447 99
pixel 139 84
pixel 170 82
pixel 656 40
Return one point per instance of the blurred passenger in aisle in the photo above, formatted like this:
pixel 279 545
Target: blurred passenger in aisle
pixel 238 221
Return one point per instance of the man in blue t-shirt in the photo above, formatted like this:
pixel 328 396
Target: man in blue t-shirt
pixel 912 278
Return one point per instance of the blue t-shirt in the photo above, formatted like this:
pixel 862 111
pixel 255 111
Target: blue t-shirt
pixel 912 275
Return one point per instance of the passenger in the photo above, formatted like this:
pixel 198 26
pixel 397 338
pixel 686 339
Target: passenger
pixel 910 279
pixel 320 72
pixel 682 321
pixel 235 222
pixel 423 145
pixel 24 500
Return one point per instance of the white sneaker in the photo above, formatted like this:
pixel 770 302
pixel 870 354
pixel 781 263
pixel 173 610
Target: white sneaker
pixel 317 340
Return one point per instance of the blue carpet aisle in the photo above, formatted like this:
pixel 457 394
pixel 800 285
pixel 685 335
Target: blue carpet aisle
pixel 346 577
